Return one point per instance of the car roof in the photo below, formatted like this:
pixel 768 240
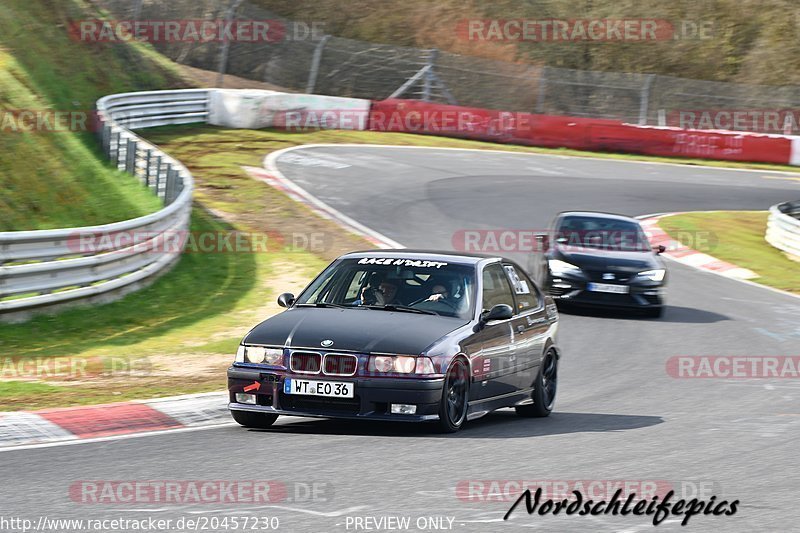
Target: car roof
pixel 597 214
pixel 427 255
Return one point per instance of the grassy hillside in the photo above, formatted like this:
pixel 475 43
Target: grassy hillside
pixel 54 179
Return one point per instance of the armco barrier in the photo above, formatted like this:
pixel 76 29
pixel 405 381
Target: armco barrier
pixel 50 267
pixel 413 116
pixel 40 269
pixel 783 227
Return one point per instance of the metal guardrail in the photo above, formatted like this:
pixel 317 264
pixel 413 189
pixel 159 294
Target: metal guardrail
pixel 783 227
pixel 47 267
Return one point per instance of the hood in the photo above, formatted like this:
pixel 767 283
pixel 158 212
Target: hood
pixel 609 260
pixel 358 330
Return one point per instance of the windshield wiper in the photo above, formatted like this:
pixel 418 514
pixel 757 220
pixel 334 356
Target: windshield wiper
pixel 392 307
pixel 326 304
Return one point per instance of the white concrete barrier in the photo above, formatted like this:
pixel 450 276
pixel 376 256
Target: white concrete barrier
pixel 254 109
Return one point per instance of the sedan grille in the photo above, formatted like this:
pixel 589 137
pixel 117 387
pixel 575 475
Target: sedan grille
pixel 337 364
pixel 305 362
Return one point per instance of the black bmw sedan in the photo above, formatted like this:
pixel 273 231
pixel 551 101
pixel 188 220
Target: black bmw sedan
pixel 600 259
pixel 402 335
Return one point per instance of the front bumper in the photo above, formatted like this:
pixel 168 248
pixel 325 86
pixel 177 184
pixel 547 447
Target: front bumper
pixel 573 290
pixel 372 399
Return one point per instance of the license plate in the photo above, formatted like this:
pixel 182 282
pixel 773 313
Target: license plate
pixel 308 387
pixel 608 287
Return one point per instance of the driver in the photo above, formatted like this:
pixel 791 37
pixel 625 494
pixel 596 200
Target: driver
pixel 438 293
pixel 377 292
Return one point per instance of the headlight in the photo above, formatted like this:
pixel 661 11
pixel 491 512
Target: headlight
pixel 263 356
pixel 381 363
pixel 653 275
pixel 402 364
pixel 558 267
pixel 239 354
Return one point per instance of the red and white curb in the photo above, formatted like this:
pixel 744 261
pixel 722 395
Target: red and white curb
pixel 683 254
pixel 113 420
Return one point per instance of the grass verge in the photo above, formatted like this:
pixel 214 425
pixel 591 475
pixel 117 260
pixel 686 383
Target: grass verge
pixel 740 240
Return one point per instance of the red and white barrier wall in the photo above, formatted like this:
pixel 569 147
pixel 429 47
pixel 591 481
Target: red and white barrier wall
pixel 412 116
pixel 255 109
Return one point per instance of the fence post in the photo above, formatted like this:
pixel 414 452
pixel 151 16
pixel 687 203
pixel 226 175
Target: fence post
pixel 429 77
pixel 226 44
pixel 644 101
pixel 315 61
pixel 542 91
pixel 137 9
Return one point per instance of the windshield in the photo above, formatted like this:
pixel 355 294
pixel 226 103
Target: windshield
pixel 391 283
pixel 601 233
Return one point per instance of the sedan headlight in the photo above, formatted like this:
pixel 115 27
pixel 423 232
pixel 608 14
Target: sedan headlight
pixel 653 275
pixel 261 355
pixel 559 268
pixel 401 364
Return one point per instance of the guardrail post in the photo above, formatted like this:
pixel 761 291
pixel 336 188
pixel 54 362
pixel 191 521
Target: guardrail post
pixel 169 190
pixel 106 138
pixel 130 157
pixel 158 174
pixel 148 157
pixel 113 147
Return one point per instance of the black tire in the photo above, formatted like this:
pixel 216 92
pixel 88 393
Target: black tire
pixel 655 312
pixel 545 388
pixel 249 419
pixel 455 393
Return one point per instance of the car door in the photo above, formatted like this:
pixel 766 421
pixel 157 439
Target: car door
pixel 490 349
pixel 529 327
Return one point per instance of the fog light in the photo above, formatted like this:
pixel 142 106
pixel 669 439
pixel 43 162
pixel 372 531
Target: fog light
pixel 403 409
pixel 246 398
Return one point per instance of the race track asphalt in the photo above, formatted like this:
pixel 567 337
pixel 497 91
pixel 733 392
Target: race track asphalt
pixel 619 415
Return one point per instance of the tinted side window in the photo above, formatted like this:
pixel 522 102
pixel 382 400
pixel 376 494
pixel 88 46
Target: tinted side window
pixel 496 289
pixel 524 289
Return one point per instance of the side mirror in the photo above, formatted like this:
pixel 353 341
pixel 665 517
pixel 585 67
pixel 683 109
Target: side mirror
pixel 660 249
pixel 286 299
pixel 498 312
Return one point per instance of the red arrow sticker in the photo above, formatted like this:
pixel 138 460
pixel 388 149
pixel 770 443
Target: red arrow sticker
pixel 254 387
